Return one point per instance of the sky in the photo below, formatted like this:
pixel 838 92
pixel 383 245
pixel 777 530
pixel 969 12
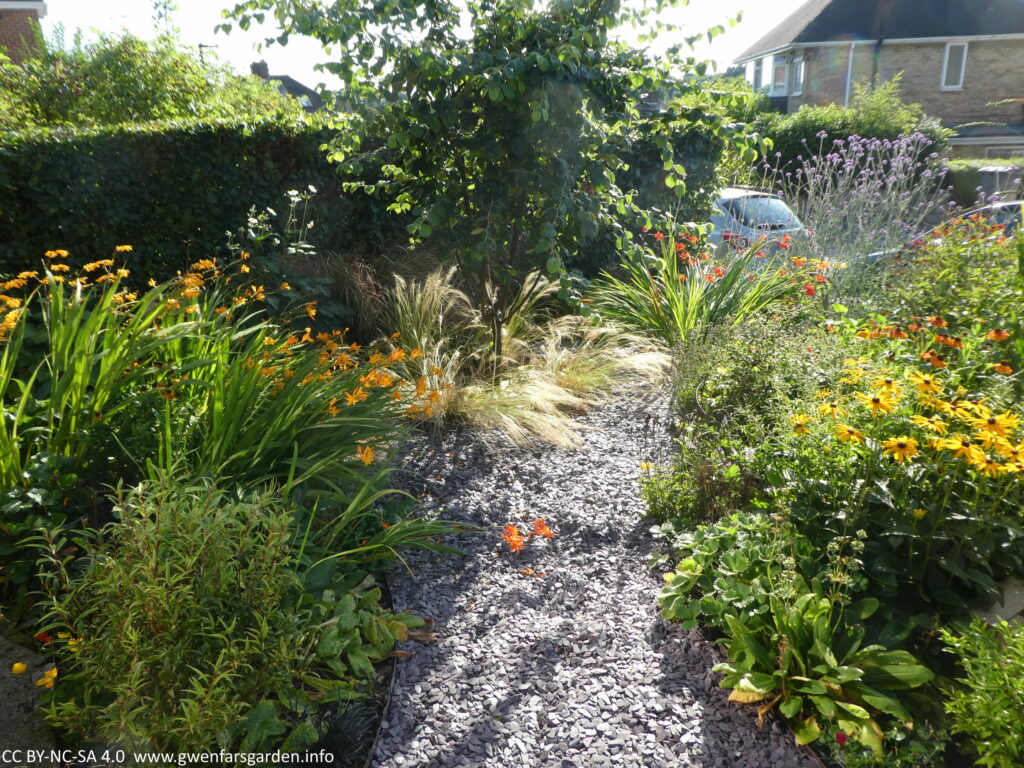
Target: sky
pixel 196 20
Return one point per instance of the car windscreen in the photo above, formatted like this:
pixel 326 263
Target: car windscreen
pixel 761 212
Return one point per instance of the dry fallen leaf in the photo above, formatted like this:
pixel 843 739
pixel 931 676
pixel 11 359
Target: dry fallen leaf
pixel 422 636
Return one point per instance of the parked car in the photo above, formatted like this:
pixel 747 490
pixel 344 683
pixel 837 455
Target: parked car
pixel 742 216
pixel 1008 213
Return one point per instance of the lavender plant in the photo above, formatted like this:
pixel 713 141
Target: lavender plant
pixel 860 196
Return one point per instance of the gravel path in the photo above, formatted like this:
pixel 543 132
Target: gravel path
pixel 574 668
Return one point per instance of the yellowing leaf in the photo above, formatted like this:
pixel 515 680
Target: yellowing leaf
pixel 746 697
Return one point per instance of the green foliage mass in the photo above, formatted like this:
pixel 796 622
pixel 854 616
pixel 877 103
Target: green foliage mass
pixel 987 705
pixel 171 190
pixel 124 79
pixel 507 118
pixel 874 112
pixel 189 624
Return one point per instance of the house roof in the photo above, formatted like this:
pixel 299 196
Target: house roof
pixel 822 21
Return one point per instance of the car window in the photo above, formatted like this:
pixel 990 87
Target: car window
pixel 762 212
pixel 1008 216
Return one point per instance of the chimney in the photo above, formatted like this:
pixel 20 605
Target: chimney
pixel 261 69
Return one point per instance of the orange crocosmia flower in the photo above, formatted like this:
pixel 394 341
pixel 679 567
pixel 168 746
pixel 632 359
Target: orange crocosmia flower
pixel 540 528
pixel 1003 367
pixel 659 236
pixel 513 538
pixel 356 396
pixel 997 334
pixel 416 353
pixel 366 454
pixel 937 321
pixel 311 310
pixel 123 248
pixel 915 327
pixel 799 261
pixel 397 355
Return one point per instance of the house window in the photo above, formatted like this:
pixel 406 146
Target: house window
pixel 796 75
pixel 954 67
pixel 780 75
pixel 755 74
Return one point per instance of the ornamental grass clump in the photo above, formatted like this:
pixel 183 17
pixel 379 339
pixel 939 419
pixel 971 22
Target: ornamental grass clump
pixel 676 289
pixel 550 368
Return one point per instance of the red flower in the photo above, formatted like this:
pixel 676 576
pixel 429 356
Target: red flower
pixel 822 279
pixel 719 271
pixel 680 247
pixel 43 638
pixel 841 739
pixel 659 236
pixel 809 289
pixel 760 254
pixel 540 528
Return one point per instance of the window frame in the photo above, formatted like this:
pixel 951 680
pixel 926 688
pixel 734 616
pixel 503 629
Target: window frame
pixel 943 85
pixel 775 88
pixel 797 73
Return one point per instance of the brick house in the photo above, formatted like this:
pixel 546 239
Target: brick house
pixel 957 57
pixel 18 22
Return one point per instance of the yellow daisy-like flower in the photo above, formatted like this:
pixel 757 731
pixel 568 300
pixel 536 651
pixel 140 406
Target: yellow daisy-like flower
pixel 961 445
pixel 645 466
pixel 988 465
pixel 832 409
pixel 1013 453
pixel 933 423
pixel 824 394
pixel 924 383
pixel 800 422
pixel 1001 424
pixel 957 409
pixel 880 402
pixel 901 448
pixel 919 513
pixel 18 668
pixel 848 434
pixel 989 440
pixel 888 384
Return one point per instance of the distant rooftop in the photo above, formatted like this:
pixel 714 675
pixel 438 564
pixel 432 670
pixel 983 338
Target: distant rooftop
pixel 820 21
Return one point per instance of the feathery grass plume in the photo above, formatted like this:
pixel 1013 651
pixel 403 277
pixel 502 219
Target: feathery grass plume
pixel 551 368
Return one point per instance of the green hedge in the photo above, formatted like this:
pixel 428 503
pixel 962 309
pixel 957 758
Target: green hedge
pixel 965 175
pixel 875 113
pixel 171 190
